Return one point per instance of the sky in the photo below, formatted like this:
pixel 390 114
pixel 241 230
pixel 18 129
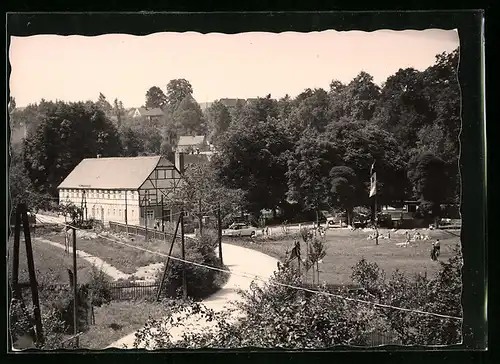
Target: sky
pixel 246 65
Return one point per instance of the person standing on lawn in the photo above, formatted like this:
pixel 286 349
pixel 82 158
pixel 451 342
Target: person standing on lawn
pixel 433 251
pixel 437 247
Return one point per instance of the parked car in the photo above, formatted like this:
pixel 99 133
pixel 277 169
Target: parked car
pixel 240 229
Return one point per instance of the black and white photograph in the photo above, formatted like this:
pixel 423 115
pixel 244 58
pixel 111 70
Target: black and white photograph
pixel 293 190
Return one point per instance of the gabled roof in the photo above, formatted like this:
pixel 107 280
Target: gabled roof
pixel 149 112
pixel 111 173
pixel 187 140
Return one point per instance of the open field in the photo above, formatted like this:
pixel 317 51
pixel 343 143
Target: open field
pixel 123 258
pixel 344 248
pixel 49 260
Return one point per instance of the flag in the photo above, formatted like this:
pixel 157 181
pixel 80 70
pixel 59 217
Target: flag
pixel 373 180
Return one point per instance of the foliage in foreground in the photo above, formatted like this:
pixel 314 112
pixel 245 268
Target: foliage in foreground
pixel 439 294
pixel 272 315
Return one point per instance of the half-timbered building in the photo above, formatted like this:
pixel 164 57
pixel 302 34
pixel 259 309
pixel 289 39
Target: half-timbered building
pixel 131 190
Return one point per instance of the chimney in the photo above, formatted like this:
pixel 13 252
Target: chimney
pixel 98 156
pixel 179 161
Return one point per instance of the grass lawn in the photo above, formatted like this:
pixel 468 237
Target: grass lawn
pixel 117 320
pixel 123 258
pixel 51 261
pixel 345 248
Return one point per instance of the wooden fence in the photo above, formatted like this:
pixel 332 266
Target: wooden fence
pixel 122 291
pixel 142 231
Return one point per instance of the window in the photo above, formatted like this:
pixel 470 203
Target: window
pixel 108 195
pixel 133 212
pixel 162 174
pixel 166 215
pixel 120 213
pixel 93 212
pixel 150 214
pixel 186 214
pixel 109 212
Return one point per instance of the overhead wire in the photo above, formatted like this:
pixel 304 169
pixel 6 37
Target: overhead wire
pixel 263 279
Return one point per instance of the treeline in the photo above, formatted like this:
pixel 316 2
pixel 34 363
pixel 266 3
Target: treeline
pixel 315 149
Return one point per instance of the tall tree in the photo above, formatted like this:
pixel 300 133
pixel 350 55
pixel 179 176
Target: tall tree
pixel 252 157
pixel 359 144
pixel 188 117
pixel 218 120
pixel 119 111
pixel 104 105
pixel 430 180
pixel 357 100
pixel 344 185
pixel 311 111
pixel 156 98
pixel 308 171
pixel 177 91
pixel 67 133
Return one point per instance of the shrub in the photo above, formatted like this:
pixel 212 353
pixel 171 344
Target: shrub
pixel 271 316
pixel 201 282
pixel 99 289
pixel 440 294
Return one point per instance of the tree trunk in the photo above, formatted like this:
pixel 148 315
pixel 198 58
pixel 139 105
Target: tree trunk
pixel 313 274
pixel 317 271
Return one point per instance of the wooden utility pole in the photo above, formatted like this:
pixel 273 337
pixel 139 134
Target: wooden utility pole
pixel 162 216
pixel 165 270
pixel 183 254
pixel 22 215
pixel 146 214
pixel 219 234
pixel 75 287
pixel 126 211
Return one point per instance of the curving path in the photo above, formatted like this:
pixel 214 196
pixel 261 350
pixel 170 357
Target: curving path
pixel 98 262
pixel 237 259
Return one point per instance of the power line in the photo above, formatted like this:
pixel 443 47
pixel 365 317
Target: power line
pixel 263 279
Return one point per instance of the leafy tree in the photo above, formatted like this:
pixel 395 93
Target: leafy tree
pixel 119 112
pixel 430 179
pixel 68 133
pixel 356 101
pixel 403 107
pixel 188 118
pixel 359 144
pixel 344 184
pixel 155 98
pixel 202 194
pixel 308 171
pixel 259 110
pixel 104 105
pixel 177 91
pixel 12 104
pixel 132 146
pixel 218 119
pixel 252 157
pixel 311 111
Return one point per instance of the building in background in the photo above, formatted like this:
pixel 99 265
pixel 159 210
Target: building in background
pixel 149 114
pixel 132 190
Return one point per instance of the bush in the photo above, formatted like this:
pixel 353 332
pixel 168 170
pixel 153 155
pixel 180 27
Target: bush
pixel 99 289
pixel 201 282
pixel 273 316
pixel 440 294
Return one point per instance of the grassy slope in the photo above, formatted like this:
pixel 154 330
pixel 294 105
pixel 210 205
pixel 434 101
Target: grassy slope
pixel 345 248
pixel 49 260
pixel 124 258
